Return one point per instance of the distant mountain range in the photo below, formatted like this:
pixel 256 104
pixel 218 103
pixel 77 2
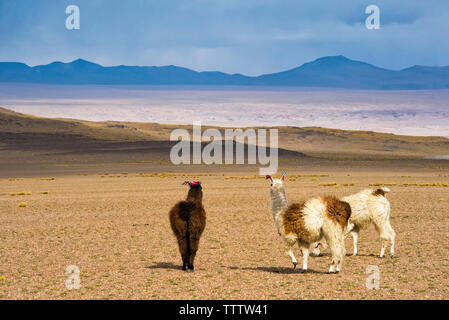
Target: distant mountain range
pixel 330 72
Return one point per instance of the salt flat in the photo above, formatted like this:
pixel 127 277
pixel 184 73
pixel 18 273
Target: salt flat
pixel 421 112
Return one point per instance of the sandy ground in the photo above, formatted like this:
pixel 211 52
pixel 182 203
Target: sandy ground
pixel 422 112
pixel 114 226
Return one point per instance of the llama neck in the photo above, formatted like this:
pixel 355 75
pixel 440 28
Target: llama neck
pixel 194 199
pixel 278 203
pixel 195 195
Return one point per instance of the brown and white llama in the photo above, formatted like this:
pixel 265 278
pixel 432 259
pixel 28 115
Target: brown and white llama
pixel 369 206
pixel 307 222
pixel 188 220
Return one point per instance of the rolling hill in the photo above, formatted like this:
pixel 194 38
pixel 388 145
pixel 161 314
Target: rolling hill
pixel 24 132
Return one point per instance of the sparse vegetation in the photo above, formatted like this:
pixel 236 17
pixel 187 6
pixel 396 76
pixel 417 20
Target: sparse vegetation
pixel 329 184
pixel 104 211
pixel 426 184
pixel 21 193
pixel 380 184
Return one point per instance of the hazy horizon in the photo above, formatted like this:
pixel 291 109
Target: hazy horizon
pixel 419 113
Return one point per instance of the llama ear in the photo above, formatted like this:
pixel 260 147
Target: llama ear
pixel 283 175
pixel 185 182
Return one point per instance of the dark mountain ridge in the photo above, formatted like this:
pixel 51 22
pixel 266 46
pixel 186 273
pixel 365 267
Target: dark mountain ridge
pixel 329 72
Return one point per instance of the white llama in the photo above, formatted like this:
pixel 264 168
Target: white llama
pixel 308 222
pixel 368 207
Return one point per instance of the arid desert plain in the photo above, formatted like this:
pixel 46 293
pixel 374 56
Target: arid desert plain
pixel 97 194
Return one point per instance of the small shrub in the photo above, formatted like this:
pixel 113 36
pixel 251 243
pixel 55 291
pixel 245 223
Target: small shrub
pixel 380 184
pixel 347 184
pixel 330 184
pixel 22 205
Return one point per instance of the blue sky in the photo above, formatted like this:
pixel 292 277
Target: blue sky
pixel 246 36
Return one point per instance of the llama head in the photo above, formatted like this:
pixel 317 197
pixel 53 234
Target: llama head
pixel 195 192
pixel 276 184
pixel 277 194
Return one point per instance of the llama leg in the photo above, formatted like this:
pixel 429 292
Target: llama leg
pixel 333 265
pixel 384 238
pixel 387 236
pixel 305 256
pixel 194 243
pixel 392 236
pixel 337 247
pixel 384 245
pixel 341 253
pixel 289 251
pixel 355 237
pixel 392 239
pixel 333 253
pixel 182 243
pixel 192 260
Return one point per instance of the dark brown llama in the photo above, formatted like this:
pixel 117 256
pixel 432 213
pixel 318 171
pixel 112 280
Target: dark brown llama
pixel 187 220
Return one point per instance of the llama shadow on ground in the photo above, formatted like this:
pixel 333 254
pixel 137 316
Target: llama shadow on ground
pixel 280 270
pixel 322 255
pixel 362 255
pixel 164 265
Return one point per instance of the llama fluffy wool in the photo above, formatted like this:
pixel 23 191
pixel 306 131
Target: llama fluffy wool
pixel 308 222
pixel 369 206
pixel 188 220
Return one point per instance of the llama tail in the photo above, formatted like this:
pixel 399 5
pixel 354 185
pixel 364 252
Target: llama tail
pixel 185 212
pixel 189 250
